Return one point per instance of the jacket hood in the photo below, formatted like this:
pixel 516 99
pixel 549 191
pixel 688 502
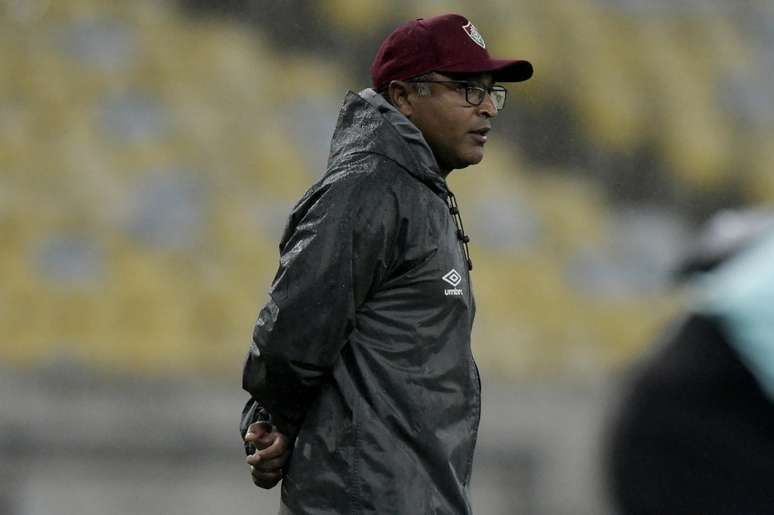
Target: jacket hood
pixel 367 123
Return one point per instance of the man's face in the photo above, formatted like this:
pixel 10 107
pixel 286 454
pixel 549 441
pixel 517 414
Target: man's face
pixel 455 130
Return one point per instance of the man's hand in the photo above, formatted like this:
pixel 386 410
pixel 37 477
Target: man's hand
pixel 270 455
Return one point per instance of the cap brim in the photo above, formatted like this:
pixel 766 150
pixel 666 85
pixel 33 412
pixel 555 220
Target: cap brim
pixel 512 71
pixel 502 70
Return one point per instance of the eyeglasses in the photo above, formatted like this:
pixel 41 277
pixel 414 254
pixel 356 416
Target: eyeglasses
pixel 475 93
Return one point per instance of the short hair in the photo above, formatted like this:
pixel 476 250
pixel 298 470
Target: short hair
pixel 422 88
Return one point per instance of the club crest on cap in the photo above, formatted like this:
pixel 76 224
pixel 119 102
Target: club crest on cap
pixel 474 34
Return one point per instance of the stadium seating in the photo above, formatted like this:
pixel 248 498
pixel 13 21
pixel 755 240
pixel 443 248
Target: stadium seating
pixel 148 161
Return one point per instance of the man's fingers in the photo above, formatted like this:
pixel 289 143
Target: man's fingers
pixel 265 475
pixel 265 440
pixel 260 442
pixel 271 465
pixel 253 459
pixel 269 447
pixel 258 428
pixel 265 479
pixel 256 431
pixel 278 448
pixel 267 462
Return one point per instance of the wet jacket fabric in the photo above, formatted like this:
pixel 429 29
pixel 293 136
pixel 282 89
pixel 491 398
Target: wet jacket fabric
pixel 363 350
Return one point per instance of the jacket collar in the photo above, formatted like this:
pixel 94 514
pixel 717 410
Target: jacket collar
pixel 368 123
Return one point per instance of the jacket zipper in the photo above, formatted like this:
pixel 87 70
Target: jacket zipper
pixel 454 209
pixel 465 239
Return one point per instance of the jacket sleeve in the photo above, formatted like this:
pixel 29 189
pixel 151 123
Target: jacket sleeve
pixel 334 252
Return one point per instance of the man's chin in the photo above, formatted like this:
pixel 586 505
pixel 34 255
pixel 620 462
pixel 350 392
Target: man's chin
pixel 466 164
pixel 473 158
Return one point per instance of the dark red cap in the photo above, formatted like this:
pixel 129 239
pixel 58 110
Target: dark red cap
pixel 448 43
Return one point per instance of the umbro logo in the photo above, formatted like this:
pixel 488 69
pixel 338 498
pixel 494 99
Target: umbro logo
pixel 454 278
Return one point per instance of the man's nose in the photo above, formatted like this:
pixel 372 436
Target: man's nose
pixel 488 107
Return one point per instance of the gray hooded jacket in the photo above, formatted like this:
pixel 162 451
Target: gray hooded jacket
pixel 362 353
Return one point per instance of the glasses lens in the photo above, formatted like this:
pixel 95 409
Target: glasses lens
pixel 474 95
pixel 498 94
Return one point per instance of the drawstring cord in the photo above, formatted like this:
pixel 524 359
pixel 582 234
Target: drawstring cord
pixel 464 238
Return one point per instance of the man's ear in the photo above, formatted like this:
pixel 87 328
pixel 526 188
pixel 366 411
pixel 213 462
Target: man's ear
pixel 400 96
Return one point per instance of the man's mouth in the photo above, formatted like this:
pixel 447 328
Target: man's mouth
pixel 480 134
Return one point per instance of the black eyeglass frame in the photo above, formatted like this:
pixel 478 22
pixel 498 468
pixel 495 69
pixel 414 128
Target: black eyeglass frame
pixel 467 86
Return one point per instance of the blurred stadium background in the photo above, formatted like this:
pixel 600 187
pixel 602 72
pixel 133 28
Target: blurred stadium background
pixel 150 152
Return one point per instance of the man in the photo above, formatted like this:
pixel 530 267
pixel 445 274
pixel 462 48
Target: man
pixel 361 357
pixel 694 431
